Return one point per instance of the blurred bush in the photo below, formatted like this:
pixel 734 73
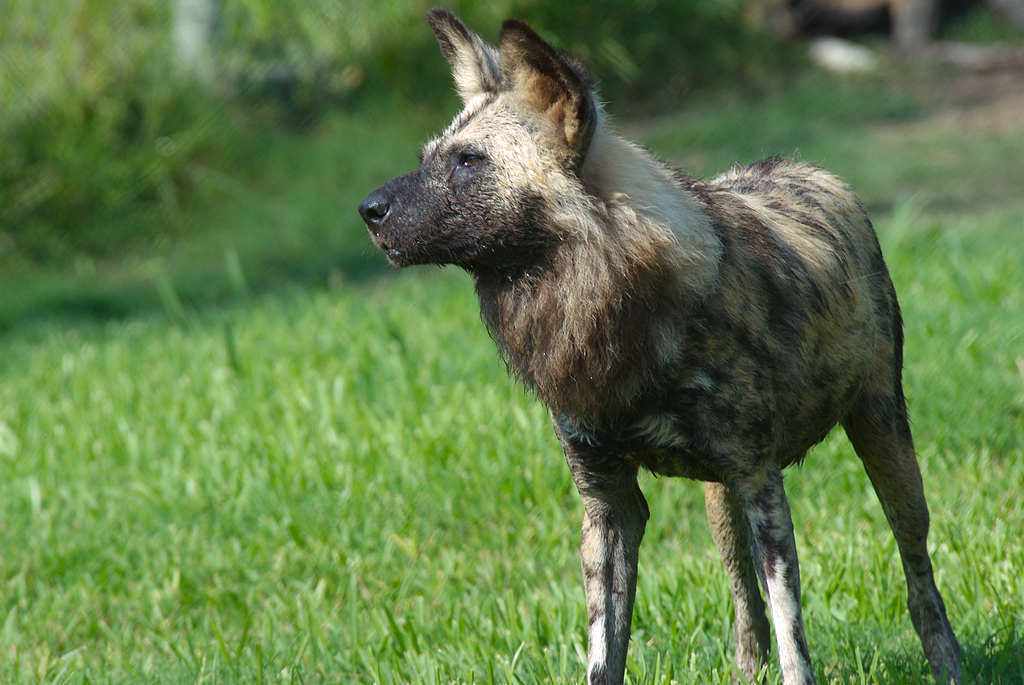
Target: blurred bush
pixel 92 123
pixel 103 140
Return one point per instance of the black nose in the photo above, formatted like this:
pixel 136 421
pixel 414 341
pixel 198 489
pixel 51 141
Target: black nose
pixel 375 207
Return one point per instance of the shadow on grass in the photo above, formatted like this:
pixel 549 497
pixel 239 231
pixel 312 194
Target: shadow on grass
pixel 53 296
pixel 995 660
pixel 998 660
pixel 285 218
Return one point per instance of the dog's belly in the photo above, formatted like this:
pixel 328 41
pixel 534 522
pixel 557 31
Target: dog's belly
pixel 678 464
pixel 701 429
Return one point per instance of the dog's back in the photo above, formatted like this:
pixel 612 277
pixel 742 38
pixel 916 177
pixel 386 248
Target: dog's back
pixel 805 317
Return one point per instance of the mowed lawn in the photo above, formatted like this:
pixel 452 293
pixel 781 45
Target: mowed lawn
pixel 344 486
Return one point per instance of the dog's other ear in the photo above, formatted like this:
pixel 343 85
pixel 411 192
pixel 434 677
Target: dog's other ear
pixel 553 82
pixel 474 61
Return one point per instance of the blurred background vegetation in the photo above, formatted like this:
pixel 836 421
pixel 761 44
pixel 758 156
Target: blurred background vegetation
pixel 127 180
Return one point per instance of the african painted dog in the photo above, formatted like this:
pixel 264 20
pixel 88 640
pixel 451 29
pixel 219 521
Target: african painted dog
pixel 712 330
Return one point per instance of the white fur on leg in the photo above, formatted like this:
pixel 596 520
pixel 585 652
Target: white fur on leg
pixel 598 654
pixel 786 615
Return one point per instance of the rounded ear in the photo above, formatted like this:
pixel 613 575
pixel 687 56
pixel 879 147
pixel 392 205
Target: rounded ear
pixel 474 61
pixel 553 82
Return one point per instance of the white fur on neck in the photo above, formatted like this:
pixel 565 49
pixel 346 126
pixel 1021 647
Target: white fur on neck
pixel 621 173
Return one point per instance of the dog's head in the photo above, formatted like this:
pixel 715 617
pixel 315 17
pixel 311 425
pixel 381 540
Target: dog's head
pixel 485 184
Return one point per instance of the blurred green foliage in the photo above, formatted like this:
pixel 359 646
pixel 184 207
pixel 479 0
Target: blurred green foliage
pixel 91 123
pixel 103 140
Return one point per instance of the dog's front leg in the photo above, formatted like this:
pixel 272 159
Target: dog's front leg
pixel 763 499
pixel 615 514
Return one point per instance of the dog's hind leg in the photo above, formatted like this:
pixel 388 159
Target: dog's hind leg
pixel 880 433
pixel 615 515
pixel 731 533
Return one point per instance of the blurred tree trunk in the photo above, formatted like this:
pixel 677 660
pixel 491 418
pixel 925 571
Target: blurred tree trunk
pixel 194 34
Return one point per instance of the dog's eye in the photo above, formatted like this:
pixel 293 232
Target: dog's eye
pixel 468 159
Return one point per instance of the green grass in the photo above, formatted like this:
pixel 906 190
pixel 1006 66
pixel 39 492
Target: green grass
pixel 344 486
